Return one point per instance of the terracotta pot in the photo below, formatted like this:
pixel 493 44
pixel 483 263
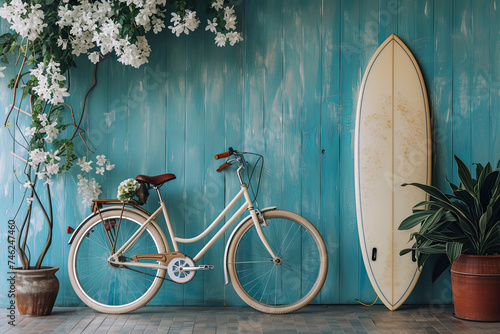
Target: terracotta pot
pixel 475 281
pixel 36 290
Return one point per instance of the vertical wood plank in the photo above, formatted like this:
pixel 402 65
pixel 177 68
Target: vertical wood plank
pixel 311 113
pixel 350 78
pixel 387 16
pixel 194 194
pixel 174 195
pixel 406 22
pixel 331 119
pixel 480 80
pixel 462 85
pixel 441 102
pixel 234 85
pixel 214 184
pixel 270 193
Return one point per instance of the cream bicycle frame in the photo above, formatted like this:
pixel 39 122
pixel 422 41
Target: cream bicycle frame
pixel 248 205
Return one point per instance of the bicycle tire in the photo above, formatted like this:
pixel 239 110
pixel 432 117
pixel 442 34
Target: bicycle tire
pixel 109 289
pixel 273 287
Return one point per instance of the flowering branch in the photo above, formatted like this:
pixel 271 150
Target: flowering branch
pixel 48 35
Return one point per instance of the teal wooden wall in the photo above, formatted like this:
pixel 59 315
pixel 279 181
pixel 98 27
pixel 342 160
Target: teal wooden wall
pixel 289 91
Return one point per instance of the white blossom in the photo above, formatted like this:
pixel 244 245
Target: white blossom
pixel 52 168
pixel 48 181
pixel 62 43
pixel 50 85
pixel 2 75
pixel 84 165
pixel 27 184
pixel 234 37
pixel 30 131
pixel 37 156
pixel 109 166
pixel 24 18
pixel 88 189
pixel 43 118
pixel 100 170
pixel 51 132
pixel 220 39
pixel 94 57
pixel 212 26
pixel 101 160
pixel 217 5
pixel 184 25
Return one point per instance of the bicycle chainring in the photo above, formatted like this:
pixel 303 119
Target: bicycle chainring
pixel 176 270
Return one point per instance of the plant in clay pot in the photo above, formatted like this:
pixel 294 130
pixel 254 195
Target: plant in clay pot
pixel 463 228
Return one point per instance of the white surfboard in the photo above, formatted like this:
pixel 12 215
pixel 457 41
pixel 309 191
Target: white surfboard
pixel 392 146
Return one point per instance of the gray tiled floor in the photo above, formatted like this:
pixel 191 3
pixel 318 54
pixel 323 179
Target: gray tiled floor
pixel 311 319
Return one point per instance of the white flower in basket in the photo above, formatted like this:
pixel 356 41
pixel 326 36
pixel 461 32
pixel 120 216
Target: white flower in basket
pixel 127 189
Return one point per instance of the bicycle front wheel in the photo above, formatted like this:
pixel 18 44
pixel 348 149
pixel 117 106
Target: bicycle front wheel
pixel 289 281
pixel 108 287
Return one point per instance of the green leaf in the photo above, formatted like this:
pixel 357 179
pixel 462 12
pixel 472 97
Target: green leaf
pixel 464 175
pixel 26 91
pixel 432 220
pixel 479 170
pixel 433 249
pixel 414 219
pixel 488 187
pixel 483 221
pixel 433 191
pixel 406 251
pixel 453 250
pixel 491 243
pixel 481 175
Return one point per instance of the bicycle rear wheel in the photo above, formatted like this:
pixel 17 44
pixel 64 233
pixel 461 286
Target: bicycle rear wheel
pixel 114 288
pixel 290 281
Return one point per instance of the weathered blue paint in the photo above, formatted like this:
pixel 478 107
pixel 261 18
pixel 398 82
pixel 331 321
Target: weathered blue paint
pixel 289 91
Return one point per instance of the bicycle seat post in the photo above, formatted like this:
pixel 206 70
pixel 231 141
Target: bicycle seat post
pixel 159 193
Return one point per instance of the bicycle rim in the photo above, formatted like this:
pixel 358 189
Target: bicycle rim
pixel 288 283
pixel 107 288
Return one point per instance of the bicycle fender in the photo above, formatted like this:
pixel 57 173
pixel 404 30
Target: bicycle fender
pixel 226 276
pixel 144 215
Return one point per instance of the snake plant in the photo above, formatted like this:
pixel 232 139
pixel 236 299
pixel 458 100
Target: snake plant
pixel 465 221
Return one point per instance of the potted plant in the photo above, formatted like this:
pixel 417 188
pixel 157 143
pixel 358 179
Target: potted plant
pixel 463 228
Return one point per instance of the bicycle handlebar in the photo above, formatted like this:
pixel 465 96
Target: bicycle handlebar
pixel 222 167
pixel 225 154
pixel 222 155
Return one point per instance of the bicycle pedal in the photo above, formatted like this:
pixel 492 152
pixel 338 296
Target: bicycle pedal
pixel 206 267
pixel 201 267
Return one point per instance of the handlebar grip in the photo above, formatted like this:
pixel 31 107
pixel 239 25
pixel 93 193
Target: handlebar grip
pixel 222 155
pixel 222 167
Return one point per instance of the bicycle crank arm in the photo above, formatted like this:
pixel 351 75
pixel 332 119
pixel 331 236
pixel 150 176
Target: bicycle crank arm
pixel 201 267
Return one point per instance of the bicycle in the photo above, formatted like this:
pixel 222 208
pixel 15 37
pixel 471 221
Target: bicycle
pixel 276 260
